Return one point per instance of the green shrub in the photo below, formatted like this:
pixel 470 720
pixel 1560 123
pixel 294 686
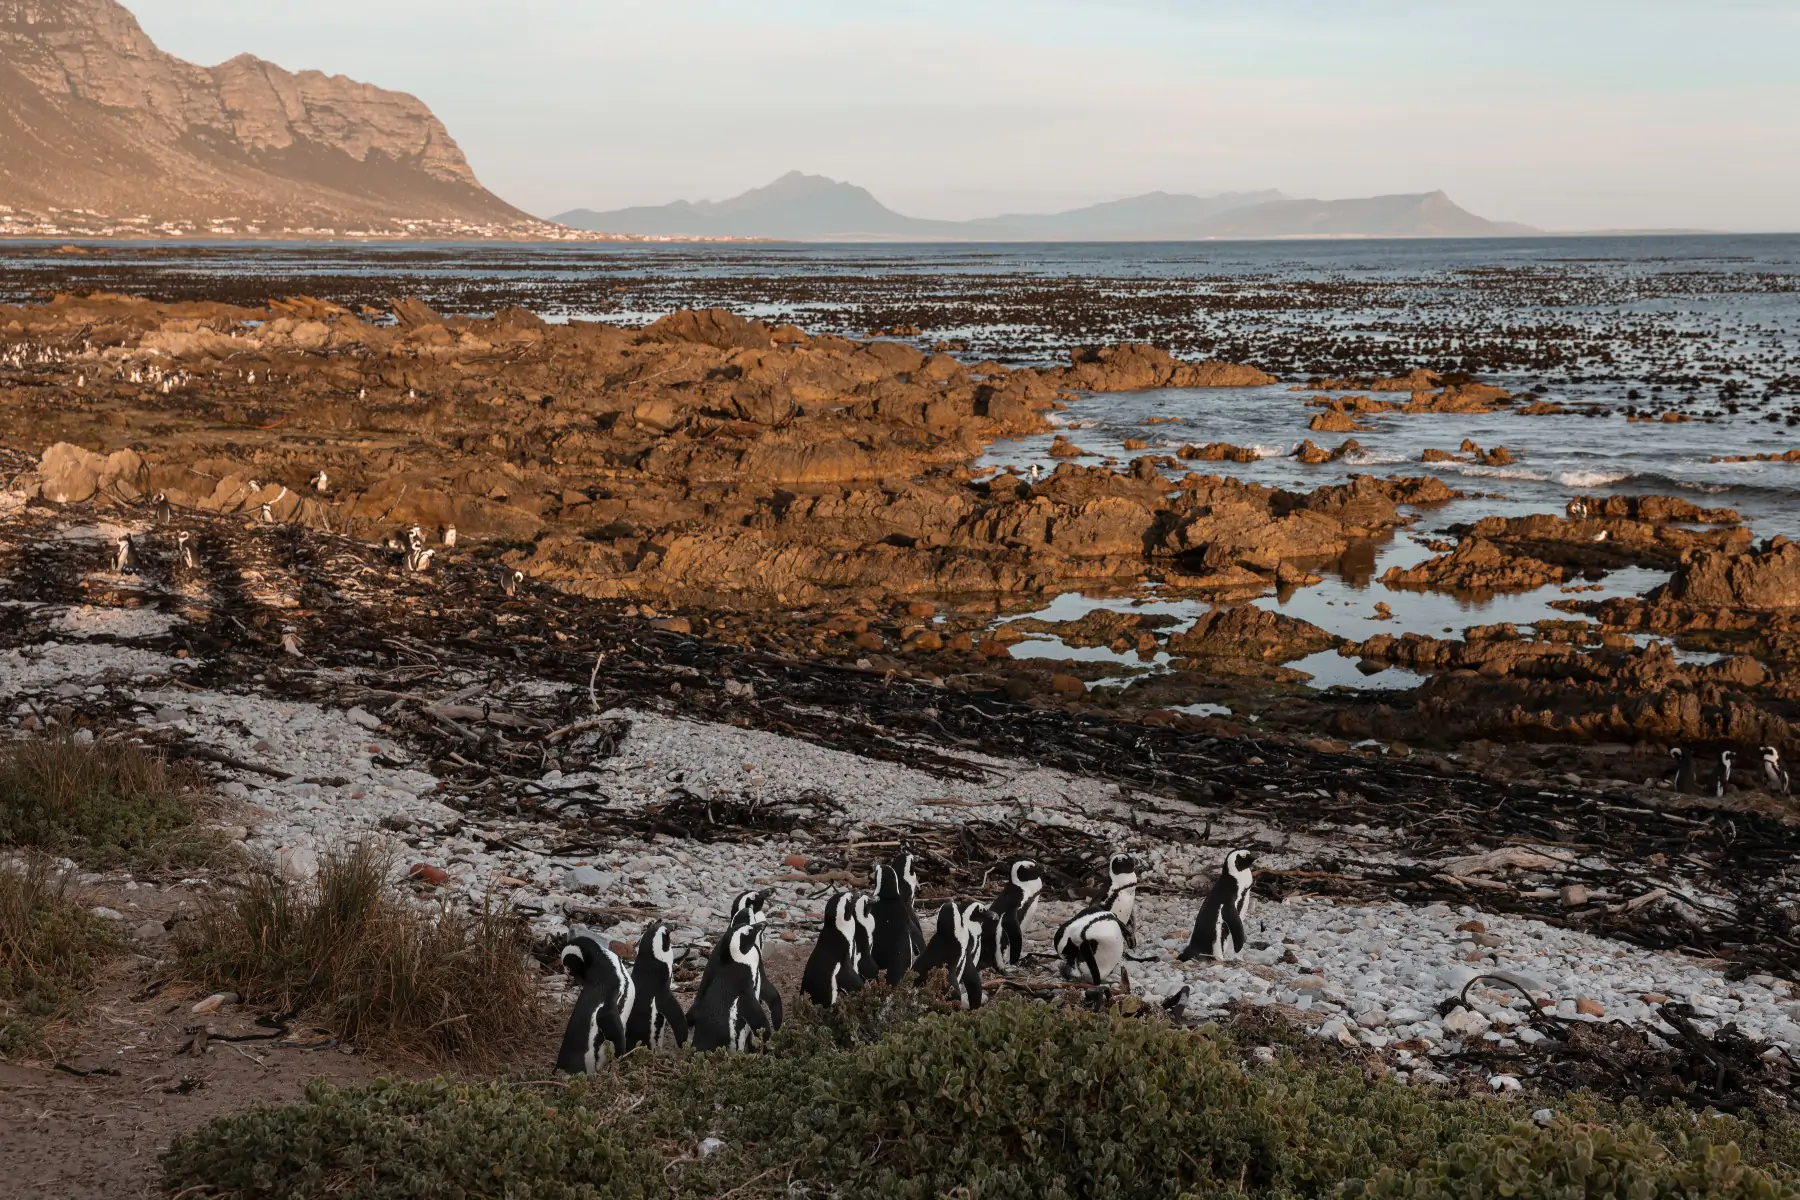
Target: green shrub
pixel 354 952
pixel 437 1140
pixel 51 951
pixel 102 803
pixel 1017 1100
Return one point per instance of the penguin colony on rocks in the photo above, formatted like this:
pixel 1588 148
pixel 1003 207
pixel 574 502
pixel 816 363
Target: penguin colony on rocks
pixel 865 937
pixel 1689 777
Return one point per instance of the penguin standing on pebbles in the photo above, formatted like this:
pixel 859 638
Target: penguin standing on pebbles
pixel 184 550
pixel 163 513
pixel 125 555
pixel 449 536
pixel 730 1013
pixel 865 938
pixel 321 481
pixel 265 514
pixel 981 924
pixel 1010 912
pixel 1685 773
pixel 895 944
pixel 1219 929
pixel 655 1011
pixel 1722 775
pixel 1094 940
pixel 832 966
pixel 599 1018
pixel 1775 776
pixel 748 909
pixel 1121 894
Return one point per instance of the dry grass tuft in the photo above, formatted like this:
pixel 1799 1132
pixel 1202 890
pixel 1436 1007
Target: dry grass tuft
pixel 104 804
pixel 51 950
pixel 357 954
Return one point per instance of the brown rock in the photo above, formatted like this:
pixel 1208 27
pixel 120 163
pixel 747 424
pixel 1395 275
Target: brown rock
pixel 1333 422
pixel 1587 1006
pixel 869 640
pixel 921 610
pixel 673 625
pixel 1762 580
pixel 1472 927
pixel 1062 447
pixel 426 873
pixel 1067 685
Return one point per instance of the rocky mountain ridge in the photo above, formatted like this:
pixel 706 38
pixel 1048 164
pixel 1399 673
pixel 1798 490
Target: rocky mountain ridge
pixel 104 132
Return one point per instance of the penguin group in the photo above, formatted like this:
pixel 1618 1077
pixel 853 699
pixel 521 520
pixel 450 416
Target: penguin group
pixel 863 938
pixel 1688 777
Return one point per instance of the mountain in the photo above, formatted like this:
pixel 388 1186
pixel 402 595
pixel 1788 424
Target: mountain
pixel 102 131
pixel 814 208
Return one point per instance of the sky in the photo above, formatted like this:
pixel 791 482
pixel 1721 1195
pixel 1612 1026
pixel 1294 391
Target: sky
pixel 1578 114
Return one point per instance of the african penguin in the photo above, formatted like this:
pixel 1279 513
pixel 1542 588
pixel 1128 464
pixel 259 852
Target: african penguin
pixel 892 942
pixel 415 538
pixel 1121 893
pixel 831 968
pixel 1011 910
pixel 599 1016
pixel 1219 929
pixel 949 945
pixel 125 555
pixel 1685 772
pixel 730 1013
pixel 418 561
pixel 655 1010
pixel 1093 940
pixel 1722 776
pixel 747 910
pixel 865 938
pixel 449 535
pixel 320 481
pixel 163 515
pixel 510 581
pixel 1775 776
pixel 907 867
pixel 265 514
pixel 981 924
pixel 184 550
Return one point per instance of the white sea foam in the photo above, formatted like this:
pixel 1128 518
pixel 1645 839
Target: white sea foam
pixel 1590 479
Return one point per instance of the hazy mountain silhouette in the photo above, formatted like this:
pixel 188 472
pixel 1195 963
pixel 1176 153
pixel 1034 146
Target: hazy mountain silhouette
pixel 814 208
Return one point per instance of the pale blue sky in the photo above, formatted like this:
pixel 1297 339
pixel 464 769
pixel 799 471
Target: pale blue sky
pixel 1576 114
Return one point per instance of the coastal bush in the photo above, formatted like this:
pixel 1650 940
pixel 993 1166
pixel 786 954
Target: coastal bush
pixel 1018 1100
pixel 351 950
pixel 51 951
pixel 102 803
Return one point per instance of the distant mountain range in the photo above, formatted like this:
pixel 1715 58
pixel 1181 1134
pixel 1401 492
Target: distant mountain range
pixel 813 208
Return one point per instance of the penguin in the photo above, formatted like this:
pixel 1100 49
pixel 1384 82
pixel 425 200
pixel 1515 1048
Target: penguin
pixel 906 864
pixel 980 922
pixel 1775 776
pixel 320 481
pixel 730 1013
pixel 419 561
pixel 449 536
pixel 125 555
pixel 1686 775
pixel 865 939
pixel 1121 893
pixel 1011 910
pixel 1094 940
pixel 1578 509
pixel 163 513
pixel 265 514
pixel 1219 928
pixel 598 1020
pixel 748 909
pixel 415 538
pixel 654 1008
pixel 949 946
pixel 1036 471
pixel 1722 776
pixel 831 968
pixel 510 581
pixel 892 943
pixel 184 550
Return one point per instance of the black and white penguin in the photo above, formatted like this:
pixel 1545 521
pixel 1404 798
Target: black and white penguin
pixel 163 513
pixel 655 1011
pixel 730 1014
pixel 184 550
pixel 125 555
pixel 1578 509
pixel 510 581
pixel 1011 910
pixel 415 538
pixel 1722 773
pixel 321 481
pixel 908 867
pixel 449 536
pixel 1686 774
pixel 599 1016
pixel 865 938
pixel 980 923
pixel 831 968
pixel 1094 941
pixel 1121 893
pixel 892 943
pixel 949 945
pixel 1775 776
pixel 747 909
pixel 1219 929
pixel 265 514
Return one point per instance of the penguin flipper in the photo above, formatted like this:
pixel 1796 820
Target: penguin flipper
pixel 672 1014
pixel 771 999
pixel 1234 925
pixel 613 1030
